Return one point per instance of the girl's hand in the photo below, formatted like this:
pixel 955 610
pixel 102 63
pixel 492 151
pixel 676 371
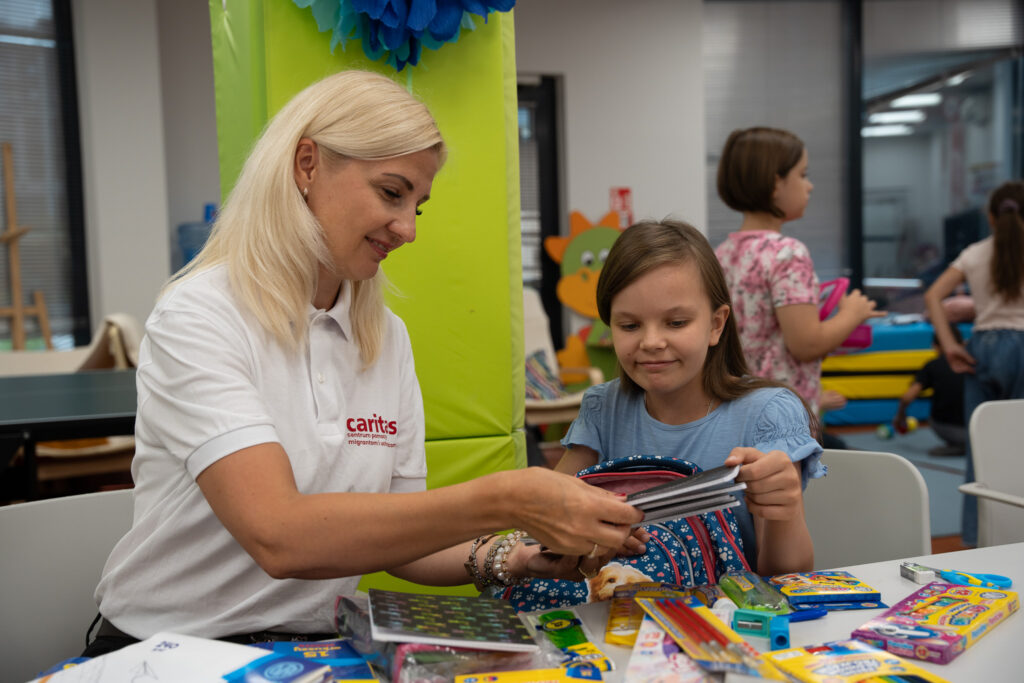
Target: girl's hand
pixel 774 489
pixel 857 305
pixel 959 359
pixel 531 561
pixel 636 543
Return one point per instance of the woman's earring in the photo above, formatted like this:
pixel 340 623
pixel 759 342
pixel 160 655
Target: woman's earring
pixel 305 192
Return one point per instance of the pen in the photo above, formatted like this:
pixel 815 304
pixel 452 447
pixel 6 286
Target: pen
pixel 807 614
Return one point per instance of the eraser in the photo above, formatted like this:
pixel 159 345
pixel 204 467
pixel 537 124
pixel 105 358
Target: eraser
pixel 917 573
pixel 778 633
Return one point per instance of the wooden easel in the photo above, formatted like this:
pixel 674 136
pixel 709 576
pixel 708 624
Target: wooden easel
pixel 18 311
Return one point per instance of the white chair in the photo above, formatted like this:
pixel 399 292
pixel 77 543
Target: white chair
pixel 870 507
pixel 537 337
pixel 53 553
pixel 997 431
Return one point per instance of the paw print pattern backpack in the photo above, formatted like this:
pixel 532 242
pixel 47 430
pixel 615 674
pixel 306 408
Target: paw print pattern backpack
pixel 693 551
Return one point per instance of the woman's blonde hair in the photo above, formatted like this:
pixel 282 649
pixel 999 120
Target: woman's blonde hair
pixel 270 241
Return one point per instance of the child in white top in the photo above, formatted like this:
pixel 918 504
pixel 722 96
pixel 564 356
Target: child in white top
pixel 993 357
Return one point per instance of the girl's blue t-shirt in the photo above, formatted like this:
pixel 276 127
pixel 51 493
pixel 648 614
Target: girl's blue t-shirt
pixel 617 425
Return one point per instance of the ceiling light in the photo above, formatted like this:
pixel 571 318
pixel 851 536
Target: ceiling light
pixel 886 131
pixel 957 79
pixel 907 116
pixel 923 99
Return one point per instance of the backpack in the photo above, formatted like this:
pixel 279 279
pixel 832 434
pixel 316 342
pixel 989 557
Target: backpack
pixel 692 552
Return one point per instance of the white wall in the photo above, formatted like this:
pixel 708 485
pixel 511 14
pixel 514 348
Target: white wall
pixel 189 110
pixel 149 127
pixel 121 120
pixel 633 99
pixel 149 140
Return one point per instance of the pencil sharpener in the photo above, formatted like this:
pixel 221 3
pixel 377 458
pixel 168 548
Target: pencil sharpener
pixel 751 622
pixel 917 573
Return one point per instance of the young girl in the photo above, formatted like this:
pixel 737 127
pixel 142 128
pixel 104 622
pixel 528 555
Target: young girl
pixel 684 390
pixel 763 174
pixel 994 356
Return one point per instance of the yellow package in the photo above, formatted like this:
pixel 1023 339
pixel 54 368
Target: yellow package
pixel 625 615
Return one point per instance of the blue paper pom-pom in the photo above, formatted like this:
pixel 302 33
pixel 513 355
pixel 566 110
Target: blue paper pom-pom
pixel 396 30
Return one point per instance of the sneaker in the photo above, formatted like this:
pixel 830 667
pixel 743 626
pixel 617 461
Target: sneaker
pixel 947 449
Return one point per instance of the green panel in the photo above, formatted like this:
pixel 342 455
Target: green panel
pixel 451 462
pixel 459 285
pixel 236 28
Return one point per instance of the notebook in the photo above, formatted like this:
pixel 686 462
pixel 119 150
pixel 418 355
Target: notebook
pixel 453 620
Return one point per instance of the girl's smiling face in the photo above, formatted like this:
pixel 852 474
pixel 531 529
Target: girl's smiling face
pixel 662 325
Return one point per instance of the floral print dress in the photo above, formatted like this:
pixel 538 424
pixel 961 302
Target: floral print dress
pixel 765 270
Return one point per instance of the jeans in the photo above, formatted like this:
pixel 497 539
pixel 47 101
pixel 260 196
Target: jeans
pixel 998 375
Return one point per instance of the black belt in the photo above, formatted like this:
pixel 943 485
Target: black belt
pixel 106 629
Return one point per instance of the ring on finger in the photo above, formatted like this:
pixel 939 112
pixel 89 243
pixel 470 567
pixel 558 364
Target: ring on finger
pixel 593 551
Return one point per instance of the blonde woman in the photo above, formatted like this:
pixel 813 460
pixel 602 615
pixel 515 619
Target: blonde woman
pixel 280 425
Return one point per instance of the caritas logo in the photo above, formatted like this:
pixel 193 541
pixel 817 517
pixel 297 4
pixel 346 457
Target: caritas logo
pixel 371 431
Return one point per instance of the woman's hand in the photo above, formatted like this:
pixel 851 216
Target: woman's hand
pixel 774 490
pixel 567 515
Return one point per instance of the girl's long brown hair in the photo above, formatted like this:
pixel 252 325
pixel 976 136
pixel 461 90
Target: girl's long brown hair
pixel 1005 207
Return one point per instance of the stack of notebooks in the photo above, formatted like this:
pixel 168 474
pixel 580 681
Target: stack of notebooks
pixel 695 495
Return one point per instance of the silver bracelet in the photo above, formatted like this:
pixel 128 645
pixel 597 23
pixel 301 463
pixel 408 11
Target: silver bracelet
pixel 471 564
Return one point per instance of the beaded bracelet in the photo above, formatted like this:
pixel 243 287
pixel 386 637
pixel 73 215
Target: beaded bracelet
pixel 499 569
pixel 471 564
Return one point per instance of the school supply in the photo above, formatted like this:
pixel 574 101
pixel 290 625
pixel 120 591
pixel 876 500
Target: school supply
pixel 938 621
pixel 657 658
pixel 831 292
pixel 750 591
pixel 848 661
pixel 826 589
pixel 689 551
pixel 750 622
pixel 345 662
pixel 699 633
pixel 564 630
pixel 806 615
pixel 419 662
pixel 697 494
pixel 912 571
pixel 175 657
pixel 452 620
pixel 625 615
pixel 570 675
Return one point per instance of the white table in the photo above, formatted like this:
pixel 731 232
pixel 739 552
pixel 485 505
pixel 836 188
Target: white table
pixel 997 657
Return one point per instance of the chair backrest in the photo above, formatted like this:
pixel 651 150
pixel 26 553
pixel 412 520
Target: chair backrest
pixel 115 344
pixel 997 431
pixel 870 507
pixel 51 555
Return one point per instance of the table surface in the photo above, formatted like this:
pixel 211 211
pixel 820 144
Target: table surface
pixel 38 404
pixel 993 659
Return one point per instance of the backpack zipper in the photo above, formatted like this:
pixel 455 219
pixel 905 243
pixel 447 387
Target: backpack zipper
pixel 732 540
pixel 668 554
pixel 706 547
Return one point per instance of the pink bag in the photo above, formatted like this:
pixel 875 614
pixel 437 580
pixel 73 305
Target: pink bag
pixel 830 294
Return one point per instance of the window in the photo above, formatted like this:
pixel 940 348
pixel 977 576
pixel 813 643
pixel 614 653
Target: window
pixel 38 119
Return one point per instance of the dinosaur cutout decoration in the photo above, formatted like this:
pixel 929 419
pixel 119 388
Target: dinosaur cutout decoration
pixel 581 255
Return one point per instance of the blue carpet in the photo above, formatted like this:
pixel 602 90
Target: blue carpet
pixel 942 474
